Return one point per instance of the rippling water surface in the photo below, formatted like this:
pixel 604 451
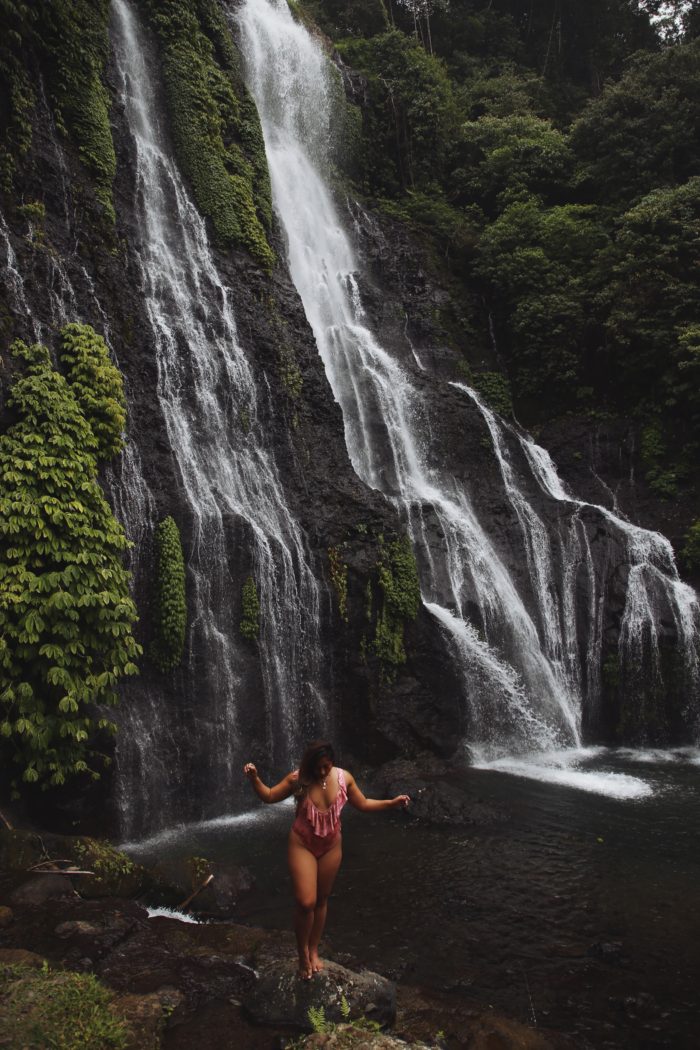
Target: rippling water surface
pixel 579 910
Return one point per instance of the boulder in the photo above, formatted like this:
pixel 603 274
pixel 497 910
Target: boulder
pixel 146 1016
pixel 347 1037
pixel 281 997
pixel 38 889
pixel 20 957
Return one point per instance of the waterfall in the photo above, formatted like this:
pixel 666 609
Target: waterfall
pixel 230 487
pixel 14 282
pixel 517 643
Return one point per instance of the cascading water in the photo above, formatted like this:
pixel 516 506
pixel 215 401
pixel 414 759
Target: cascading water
pixel 519 653
pixel 230 485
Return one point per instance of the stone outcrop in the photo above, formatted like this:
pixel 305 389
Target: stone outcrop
pixel 279 997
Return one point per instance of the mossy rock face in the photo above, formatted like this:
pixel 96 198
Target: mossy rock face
pixel 115 875
pixel 214 123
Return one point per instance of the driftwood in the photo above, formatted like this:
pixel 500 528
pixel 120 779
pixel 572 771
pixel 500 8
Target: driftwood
pixel 181 907
pixel 58 867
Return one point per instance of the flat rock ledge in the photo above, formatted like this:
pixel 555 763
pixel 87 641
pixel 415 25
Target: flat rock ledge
pixel 281 997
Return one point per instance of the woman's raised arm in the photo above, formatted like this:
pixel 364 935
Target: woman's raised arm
pixel 280 791
pixel 368 805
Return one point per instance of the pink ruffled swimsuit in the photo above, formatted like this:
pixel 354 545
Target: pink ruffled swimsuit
pixel 319 829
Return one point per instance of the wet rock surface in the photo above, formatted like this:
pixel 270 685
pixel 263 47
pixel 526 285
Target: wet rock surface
pixel 174 879
pixel 280 996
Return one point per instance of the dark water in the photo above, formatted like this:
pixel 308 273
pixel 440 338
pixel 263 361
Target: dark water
pixel 577 911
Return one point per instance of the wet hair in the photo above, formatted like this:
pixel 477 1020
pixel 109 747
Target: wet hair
pixel 307 767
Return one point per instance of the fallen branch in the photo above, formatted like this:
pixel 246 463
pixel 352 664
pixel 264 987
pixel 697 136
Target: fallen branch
pixel 185 903
pixel 5 821
pixel 58 867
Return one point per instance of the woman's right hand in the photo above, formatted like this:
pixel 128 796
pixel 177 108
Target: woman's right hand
pixel 250 771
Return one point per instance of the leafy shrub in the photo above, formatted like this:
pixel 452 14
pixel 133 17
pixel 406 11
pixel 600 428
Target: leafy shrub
pixel 65 613
pixel 495 390
pixel 97 385
pixel 170 599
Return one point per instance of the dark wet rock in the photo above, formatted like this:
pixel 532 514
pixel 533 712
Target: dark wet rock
pixel 440 794
pixel 280 996
pixel 173 879
pixel 40 888
pixel 6 916
pixel 146 1016
pixel 76 927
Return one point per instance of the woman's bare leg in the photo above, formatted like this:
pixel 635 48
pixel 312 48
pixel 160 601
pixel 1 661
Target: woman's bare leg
pixel 328 866
pixel 303 868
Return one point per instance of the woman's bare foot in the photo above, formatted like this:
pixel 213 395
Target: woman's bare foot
pixel 305 971
pixel 316 963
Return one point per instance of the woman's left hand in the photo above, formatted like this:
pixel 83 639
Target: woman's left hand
pixel 401 800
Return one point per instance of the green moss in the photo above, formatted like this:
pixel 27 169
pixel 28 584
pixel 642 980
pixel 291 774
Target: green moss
pixel 339 578
pixel 53 1008
pixel 290 373
pixel 250 619
pixel 495 390
pixel 97 385
pixel 216 130
pixel 65 613
pixel 74 37
pixel 398 579
pixel 15 91
pixel 170 599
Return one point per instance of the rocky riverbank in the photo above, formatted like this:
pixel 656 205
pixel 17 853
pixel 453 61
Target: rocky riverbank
pixel 178 984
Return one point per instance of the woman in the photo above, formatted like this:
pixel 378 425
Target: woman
pixel 321 790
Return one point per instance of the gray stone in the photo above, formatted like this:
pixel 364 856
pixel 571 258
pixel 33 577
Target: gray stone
pixel 76 928
pixel 280 996
pixel 41 888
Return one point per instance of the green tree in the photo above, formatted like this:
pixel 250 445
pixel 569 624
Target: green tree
pixel 506 158
pixel 541 267
pixel 653 297
pixel 411 119
pixel 66 617
pixel 644 131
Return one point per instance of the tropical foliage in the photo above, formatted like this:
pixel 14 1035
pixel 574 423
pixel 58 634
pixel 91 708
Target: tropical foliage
pixel 66 618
